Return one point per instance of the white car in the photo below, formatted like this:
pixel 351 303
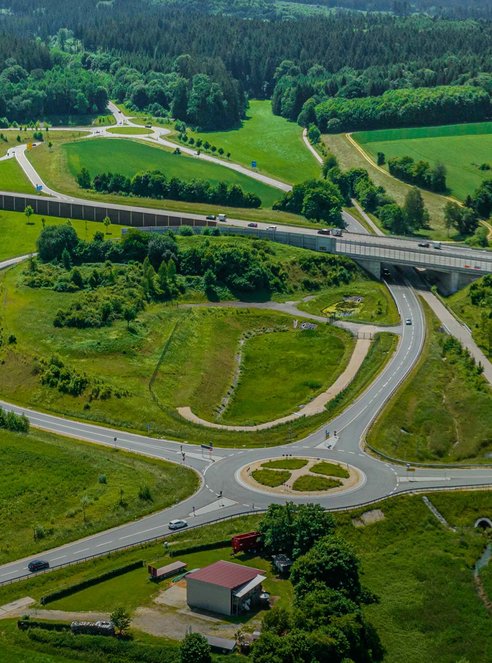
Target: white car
pixel 177 524
pixel 408 321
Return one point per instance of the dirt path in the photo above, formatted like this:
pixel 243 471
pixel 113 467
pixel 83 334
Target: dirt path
pixel 316 406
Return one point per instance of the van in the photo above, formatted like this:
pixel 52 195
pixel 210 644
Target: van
pixel 222 217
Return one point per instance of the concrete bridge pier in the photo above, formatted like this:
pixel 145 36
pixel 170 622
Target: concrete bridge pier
pixel 371 266
pixel 450 282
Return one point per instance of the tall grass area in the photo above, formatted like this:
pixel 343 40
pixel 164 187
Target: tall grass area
pixel 428 608
pixel 350 157
pixel 56 490
pixel 19 234
pixel 476 317
pixel 462 148
pixel 272 141
pixel 443 411
pixel 171 357
pixel 12 178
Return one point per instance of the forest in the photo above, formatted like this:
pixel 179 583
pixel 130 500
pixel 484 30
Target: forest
pixel 176 60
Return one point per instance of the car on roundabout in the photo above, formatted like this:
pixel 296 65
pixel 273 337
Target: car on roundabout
pixel 177 524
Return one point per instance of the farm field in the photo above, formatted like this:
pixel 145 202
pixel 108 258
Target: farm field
pixel 350 157
pixel 441 619
pixel 12 178
pixel 130 157
pixel 70 489
pixel 428 419
pixel 462 148
pixel 310 361
pixel 377 303
pixel 167 342
pixel 19 237
pixel 272 141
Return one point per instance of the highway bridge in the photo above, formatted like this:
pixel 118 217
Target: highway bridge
pixel 455 265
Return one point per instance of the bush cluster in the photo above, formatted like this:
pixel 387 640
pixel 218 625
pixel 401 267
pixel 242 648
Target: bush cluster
pixel 55 374
pixel 155 184
pixel 420 173
pixel 18 423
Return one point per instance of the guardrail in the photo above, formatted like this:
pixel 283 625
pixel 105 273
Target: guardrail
pixel 158 537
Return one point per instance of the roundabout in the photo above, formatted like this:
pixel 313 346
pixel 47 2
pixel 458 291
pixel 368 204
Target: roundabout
pixel 300 477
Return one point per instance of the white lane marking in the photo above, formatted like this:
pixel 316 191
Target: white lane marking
pixel 55 559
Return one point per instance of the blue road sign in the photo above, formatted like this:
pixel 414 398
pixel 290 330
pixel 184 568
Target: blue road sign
pixel 253 164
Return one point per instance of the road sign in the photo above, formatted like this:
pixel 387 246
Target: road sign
pixel 253 164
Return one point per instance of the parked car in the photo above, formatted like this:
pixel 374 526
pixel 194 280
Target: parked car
pixel 408 321
pixel 210 217
pixel 324 231
pixel 38 565
pixel 177 524
pixel 424 245
pixel 252 225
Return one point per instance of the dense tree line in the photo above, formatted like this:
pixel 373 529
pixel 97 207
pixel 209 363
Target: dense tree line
pixel 154 184
pixel 317 200
pixel 403 108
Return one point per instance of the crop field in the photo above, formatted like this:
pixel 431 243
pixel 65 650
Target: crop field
pixel 12 177
pixel 272 141
pixel 304 364
pixel 428 419
pixel 462 148
pixel 428 608
pixel 130 157
pixel 69 489
pixel 19 236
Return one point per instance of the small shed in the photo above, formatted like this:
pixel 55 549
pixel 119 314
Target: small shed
pixel 221 645
pixel 225 588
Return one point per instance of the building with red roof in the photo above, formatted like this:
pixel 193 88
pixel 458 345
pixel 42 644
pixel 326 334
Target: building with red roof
pixel 225 588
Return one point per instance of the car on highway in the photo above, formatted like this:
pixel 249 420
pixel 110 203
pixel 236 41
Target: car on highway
pixel 177 524
pixel 38 565
pixel 148 126
pixel 436 245
pixel 252 225
pixel 424 245
pixel 222 217
pixel 272 228
pixel 408 321
pixel 337 232
pixel 210 217
pixel 324 231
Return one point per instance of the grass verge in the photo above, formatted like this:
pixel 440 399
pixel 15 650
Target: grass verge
pixel 270 478
pixel 330 470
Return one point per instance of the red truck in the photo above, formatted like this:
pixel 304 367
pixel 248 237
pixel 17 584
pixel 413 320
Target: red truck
pixel 248 542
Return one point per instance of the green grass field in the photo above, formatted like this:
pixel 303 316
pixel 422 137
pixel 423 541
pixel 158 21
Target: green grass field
pixel 428 419
pixel 350 157
pixel 309 483
pixel 270 478
pixel 462 148
pixel 129 157
pixel 69 489
pixel 330 470
pixel 19 237
pixel 201 343
pixel 286 463
pixel 428 609
pixel 12 178
pixel 273 142
pixel 377 303
pixel 304 364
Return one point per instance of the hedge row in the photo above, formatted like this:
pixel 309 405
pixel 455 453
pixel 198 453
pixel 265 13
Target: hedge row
pixel 103 649
pixel 84 584
pixel 25 624
pixel 199 548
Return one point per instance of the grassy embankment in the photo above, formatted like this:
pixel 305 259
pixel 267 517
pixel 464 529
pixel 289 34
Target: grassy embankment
pixel 129 131
pixel 428 419
pixel 474 316
pixel 19 236
pixel 350 157
pixel 56 490
pixel 167 343
pixel 428 608
pixel 12 178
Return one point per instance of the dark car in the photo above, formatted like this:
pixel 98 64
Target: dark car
pixel 38 565
pixel 210 217
pixel 424 245
pixel 252 225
